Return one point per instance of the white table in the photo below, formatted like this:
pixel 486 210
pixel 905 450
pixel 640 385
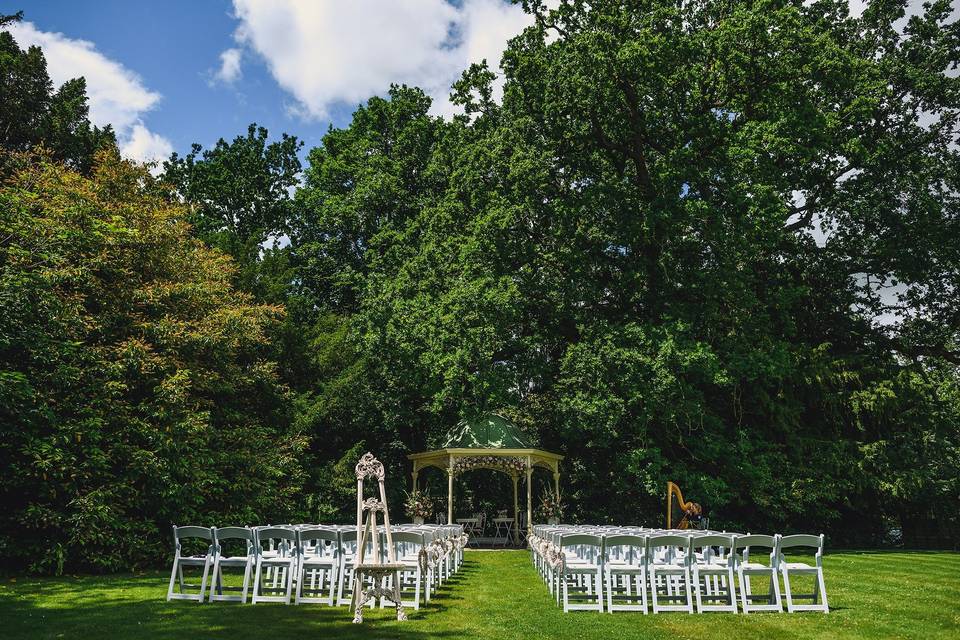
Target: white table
pixel 503 531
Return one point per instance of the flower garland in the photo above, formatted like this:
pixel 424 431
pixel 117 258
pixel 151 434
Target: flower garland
pixel 506 463
pixel 551 553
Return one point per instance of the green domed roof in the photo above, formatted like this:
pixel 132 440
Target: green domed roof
pixel 486 432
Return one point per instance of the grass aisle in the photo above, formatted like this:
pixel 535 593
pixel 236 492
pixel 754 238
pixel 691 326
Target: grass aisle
pixel 497 595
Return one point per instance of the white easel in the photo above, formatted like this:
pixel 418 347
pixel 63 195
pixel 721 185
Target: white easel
pixel 370 467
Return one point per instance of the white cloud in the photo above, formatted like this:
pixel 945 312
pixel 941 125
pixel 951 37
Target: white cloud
pixel 330 52
pixel 145 146
pixel 116 94
pixel 229 70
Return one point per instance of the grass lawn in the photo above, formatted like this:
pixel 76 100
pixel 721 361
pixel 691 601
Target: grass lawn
pixel 496 595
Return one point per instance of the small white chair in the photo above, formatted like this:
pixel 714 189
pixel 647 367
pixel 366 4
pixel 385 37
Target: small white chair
pixel 283 562
pixel 668 557
pixel 317 562
pixel 624 560
pixel 816 570
pixel 246 561
pixel 742 546
pixel 707 565
pixel 583 559
pixel 407 547
pixel 180 561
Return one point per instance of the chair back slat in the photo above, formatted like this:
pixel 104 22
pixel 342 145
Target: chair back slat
pixel 668 540
pixel 568 540
pixel 802 540
pixel 179 533
pixel 412 537
pixel 754 540
pixel 234 533
pixel 280 533
pixel 713 541
pixel 317 533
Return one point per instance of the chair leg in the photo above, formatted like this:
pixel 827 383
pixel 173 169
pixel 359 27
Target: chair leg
pixel 256 583
pixel 788 596
pixel 566 601
pixel 696 586
pixel 743 591
pixel 609 579
pixel 598 579
pixel 653 592
pixel 333 583
pixel 822 590
pixel 300 578
pixel 775 584
pixel 731 590
pixel 246 580
pixel 215 586
pixel 288 574
pixel 203 580
pixel 173 577
pixel 642 587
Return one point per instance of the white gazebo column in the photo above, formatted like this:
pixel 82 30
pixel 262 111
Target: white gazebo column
pixel 416 471
pixel 516 509
pixel 450 492
pixel 556 484
pixel 529 497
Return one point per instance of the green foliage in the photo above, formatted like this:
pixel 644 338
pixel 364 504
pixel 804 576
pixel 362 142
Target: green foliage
pixel 33 113
pixel 239 197
pixel 715 243
pixel 135 391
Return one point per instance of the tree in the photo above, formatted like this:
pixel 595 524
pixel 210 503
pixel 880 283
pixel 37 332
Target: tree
pixel 32 113
pixel 362 187
pixel 136 388
pixel 686 244
pixel 239 197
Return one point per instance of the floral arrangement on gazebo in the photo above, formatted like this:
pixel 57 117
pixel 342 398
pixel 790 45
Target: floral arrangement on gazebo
pixel 551 506
pixel 419 504
pixel 505 463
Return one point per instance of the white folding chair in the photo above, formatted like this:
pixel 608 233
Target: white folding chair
pixel 407 549
pixel 347 553
pixel 800 568
pixel 668 558
pixel 713 576
pixel 245 560
pixel 625 572
pixel 583 560
pixel 317 565
pixel 742 549
pixel 283 562
pixel 180 561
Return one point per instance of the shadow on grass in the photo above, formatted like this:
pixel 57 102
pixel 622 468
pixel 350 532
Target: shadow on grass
pixel 91 608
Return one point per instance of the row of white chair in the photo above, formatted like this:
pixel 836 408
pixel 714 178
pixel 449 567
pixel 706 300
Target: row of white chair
pixel 308 563
pixel 624 568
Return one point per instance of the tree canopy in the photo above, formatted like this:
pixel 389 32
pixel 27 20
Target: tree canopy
pixel 33 113
pixel 716 243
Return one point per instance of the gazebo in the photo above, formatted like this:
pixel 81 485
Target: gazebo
pixel 489 442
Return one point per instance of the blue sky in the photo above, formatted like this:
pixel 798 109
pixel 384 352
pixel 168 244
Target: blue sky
pixel 171 73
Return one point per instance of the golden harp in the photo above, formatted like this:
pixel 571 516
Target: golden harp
pixel 678 510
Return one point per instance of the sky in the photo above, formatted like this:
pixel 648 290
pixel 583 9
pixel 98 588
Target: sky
pixel 168 74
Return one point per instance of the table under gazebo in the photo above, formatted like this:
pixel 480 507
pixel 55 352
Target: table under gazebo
pixel 490 442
